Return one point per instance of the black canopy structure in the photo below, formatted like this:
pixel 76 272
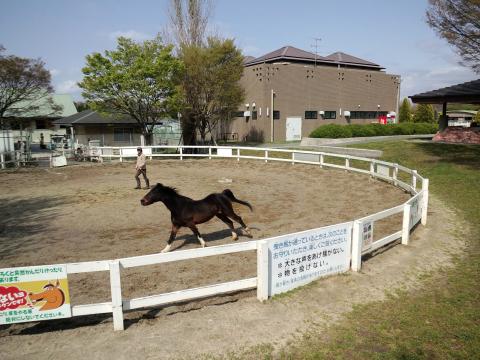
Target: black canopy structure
pixel 468 93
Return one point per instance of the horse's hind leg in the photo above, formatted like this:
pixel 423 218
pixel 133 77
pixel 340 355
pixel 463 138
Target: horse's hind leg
pixel 173 233
pixel 227 209
pixel 197 233
pixel 229 222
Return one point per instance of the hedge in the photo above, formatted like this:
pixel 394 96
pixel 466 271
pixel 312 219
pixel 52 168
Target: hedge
pixel 334 131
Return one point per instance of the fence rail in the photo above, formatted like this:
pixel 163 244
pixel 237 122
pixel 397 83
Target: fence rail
pixel 414 210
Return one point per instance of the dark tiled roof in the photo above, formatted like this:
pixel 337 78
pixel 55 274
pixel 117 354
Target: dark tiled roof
pixel 342 58
pixel 92 117
pixel 287 53
pixel 248 58
pixel 290 53
pixel 468 92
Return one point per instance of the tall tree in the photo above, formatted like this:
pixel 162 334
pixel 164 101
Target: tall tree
pixel 458 22
pixel 424 114
pixel 405 112
pixel 136 79
pixel 188 21
pixel 24 86
pixel 211 87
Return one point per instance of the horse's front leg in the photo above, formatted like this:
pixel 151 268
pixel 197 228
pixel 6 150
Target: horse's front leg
pixel 173 233
pixel 197 233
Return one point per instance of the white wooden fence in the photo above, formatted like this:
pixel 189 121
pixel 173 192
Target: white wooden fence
pixel 414 210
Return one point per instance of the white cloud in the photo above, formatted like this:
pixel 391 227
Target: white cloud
pixel 131 34
pixel 55 72
pixel 68 87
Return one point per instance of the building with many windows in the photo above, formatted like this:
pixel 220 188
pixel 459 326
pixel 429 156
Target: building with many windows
pixel 290 92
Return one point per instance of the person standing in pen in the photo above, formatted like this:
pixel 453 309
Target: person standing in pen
pixel 141 167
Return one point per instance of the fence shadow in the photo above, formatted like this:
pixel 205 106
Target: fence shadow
pixel 22 219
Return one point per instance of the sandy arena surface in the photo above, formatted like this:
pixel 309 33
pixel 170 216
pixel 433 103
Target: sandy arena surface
pixel 91 212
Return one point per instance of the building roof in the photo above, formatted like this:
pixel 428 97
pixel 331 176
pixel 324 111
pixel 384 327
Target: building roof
pixel 468 92
pixel 91 117
pixel 44 107
pixel 290 53
pixel 342 58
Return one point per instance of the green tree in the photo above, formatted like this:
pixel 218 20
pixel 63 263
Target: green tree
pixel 424 114
pixel 405 112
pixel 211 87
pixel 458 22
pixel 137 79
pixel 24 86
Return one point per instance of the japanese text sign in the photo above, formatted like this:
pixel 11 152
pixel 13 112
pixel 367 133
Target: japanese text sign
pixel 34 293
pixel 297 259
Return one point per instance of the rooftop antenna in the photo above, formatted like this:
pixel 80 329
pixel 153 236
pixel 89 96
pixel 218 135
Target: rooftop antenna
pixel 317 40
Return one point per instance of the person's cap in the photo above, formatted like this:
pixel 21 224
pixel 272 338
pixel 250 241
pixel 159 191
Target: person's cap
pixel 139 149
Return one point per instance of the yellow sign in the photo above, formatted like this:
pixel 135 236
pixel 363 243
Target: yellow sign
pixel 34 293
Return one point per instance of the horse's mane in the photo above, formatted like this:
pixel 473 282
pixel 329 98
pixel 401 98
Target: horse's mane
pixel 170 190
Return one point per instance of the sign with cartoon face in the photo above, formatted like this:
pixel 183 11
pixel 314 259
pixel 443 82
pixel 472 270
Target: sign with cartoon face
pixel 34 293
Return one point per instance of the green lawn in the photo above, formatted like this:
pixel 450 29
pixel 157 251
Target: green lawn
pixel 441 321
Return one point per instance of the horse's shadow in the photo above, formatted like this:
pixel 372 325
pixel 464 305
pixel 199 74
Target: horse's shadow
pixel 210 238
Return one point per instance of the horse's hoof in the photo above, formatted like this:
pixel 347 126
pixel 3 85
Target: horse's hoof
pixel 234 236
pixel 166 249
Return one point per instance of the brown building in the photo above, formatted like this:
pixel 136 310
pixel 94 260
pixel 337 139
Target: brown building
pixel 306 91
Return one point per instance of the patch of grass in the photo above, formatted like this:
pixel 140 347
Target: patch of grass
pixel 443 319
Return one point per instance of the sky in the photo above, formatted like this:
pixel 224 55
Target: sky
pixel 391 33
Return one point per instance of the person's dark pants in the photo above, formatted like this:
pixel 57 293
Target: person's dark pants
pixel 137 178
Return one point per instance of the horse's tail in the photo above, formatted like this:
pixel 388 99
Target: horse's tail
pixel 229 194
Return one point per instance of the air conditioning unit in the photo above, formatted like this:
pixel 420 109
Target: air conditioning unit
pixel 346 113
pixel 246 113
pixel 321 112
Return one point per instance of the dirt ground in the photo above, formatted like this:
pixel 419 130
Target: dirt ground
pixel 92 212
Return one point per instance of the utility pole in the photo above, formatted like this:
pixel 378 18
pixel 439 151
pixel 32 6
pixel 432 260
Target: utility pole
pixel 316 48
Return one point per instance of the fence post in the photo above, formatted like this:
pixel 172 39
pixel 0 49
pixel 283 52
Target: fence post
pixel 121 154
pixel 209 153
pixel 238 154
pixel 347 164
pixel 406 224
pixel 425 201
pixel 262 270
pixel 293 158
pixel 2 160
pixel 414 180
pixel 395 174
pixel 372 169
pixel 321 161
pixel 181 153
pixel 116 289
pixel 266 155
pixel 356 246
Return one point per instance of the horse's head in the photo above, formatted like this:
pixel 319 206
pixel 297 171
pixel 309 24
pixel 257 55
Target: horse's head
pixel 52 294
pixel 157 193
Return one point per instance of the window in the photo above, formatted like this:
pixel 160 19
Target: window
pixel 41 124
pixel 276 115
pixel 366 114
pixel 330 115
pixel 254 115
pixel 311 114
pixel 238 114
pixel 122 134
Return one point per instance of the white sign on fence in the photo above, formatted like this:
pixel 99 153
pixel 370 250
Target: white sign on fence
pixel 297 259
pixel 416 208
pixel 383 170
pixel 367 235
pixel 224 152
pixel 34 293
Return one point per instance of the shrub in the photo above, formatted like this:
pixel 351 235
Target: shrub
pixel 361 130
pixel 335 131
pixel 332 131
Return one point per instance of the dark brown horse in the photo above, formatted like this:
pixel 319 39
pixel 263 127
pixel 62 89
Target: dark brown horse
pixel 187 212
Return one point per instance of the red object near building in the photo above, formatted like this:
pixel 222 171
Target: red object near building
pixel 382 119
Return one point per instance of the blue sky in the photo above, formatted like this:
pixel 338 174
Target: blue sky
pixel 388 32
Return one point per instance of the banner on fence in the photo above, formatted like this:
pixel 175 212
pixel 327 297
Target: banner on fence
pixel 34 293
pixel 297 259
pixel 416 208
